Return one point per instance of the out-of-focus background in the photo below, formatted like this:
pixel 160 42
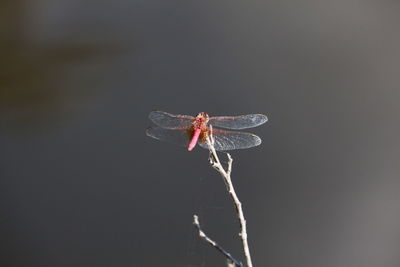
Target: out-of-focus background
pixel 81 184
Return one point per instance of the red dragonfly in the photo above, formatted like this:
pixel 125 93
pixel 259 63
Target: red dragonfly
pixel 188 130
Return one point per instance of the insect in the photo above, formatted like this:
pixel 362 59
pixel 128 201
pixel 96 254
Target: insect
pixel 188 131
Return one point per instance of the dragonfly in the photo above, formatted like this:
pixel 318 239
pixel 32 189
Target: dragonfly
pixel 185 130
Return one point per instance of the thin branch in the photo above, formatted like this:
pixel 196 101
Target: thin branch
pixel 230 160
pixel 231 262
pixel 226 175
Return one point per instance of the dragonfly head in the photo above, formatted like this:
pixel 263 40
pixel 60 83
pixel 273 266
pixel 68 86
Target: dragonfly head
pixel 203 115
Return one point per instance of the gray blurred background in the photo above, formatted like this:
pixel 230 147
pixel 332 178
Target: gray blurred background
pixel 81 184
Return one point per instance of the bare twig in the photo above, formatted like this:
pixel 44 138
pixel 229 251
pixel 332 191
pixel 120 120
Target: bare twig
pixel 231 262
pixel 226 175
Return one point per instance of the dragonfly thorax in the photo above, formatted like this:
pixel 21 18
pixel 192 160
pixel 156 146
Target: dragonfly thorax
pixel 201 120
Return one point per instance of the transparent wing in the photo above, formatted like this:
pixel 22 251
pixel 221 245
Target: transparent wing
pixel 177 137
pixel 238 122
pixel 170 121
pixel 229 140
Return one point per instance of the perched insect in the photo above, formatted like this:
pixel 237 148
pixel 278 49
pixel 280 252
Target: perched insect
pixel 188 130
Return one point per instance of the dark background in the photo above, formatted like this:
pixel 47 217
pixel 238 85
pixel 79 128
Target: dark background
pixel 81 184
